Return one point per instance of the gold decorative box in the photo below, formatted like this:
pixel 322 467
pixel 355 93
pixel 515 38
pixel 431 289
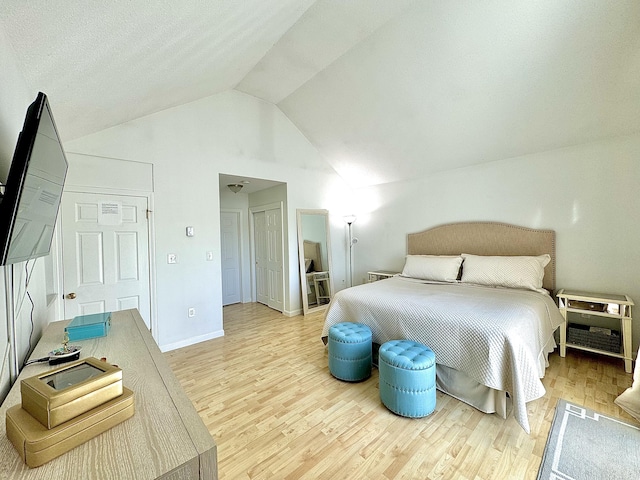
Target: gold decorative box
pixel 59 395
pixel 37 444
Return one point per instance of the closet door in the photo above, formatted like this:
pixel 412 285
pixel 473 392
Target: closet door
pixel 275 259
pixel 261 249
pixel 231 265
pixel 269 258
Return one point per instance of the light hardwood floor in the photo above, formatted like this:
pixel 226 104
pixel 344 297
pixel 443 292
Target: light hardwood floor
pixel 265 392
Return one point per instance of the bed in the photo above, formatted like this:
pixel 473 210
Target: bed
pixel 491 337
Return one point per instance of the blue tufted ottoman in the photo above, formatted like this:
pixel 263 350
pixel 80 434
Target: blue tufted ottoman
pixel 350 351
pixel 407 378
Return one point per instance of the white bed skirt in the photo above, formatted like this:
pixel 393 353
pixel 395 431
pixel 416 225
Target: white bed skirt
pixel 459 385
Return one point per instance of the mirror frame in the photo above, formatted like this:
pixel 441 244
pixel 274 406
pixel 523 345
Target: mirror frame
pixel 303 274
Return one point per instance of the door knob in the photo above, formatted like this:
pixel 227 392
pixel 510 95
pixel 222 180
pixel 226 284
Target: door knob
pixel 71 295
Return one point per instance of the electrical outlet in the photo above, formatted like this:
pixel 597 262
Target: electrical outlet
pixel 192 312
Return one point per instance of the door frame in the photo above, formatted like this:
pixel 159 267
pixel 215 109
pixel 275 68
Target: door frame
pixel 153 321
pixel 252 249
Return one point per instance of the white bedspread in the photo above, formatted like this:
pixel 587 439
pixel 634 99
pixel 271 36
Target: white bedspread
pixel 499 337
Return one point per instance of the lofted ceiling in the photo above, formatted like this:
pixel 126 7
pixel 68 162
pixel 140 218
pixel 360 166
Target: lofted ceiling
pixel 387 90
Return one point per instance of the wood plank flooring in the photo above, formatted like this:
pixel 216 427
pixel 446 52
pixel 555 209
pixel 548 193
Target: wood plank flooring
pixel 266 395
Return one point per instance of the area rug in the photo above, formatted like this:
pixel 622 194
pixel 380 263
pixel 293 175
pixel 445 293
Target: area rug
pixel 583 444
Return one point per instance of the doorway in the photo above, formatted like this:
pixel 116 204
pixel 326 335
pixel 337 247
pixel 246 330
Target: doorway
pixel 247 195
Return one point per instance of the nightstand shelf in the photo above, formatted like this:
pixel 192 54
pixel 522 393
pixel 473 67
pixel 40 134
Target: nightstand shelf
pixel 322 287
pixel 376 275
pixel 607 306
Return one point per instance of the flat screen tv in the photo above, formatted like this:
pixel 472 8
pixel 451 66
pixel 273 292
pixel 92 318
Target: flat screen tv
pixel 34 186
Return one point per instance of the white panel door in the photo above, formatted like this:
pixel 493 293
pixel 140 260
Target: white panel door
pixel 274 259
pixel 105 254
pixel 261 257
pixel 230 246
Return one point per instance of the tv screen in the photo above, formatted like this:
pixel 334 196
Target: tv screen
pixel 34 188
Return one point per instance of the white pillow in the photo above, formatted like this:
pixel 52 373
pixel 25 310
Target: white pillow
pixel 440 268
pixel 512 272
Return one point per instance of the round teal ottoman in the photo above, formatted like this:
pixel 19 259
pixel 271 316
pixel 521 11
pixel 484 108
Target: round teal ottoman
pixel 350 351
pixel 407 378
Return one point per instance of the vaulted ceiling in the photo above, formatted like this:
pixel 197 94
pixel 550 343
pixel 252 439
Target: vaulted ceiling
pixel 386 90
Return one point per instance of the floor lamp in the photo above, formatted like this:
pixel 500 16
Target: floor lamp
pixel 352 241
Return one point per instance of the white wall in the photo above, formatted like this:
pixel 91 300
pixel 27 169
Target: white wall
pixel 15 97
pixel 588 194
pixel 189 146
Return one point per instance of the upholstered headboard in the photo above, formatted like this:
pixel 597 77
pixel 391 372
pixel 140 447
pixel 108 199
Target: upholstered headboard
pixel 487 238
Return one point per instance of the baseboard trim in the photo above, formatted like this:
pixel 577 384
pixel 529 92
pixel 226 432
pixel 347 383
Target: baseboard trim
pixel 191 341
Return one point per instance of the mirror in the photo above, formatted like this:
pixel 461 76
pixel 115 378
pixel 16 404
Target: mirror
pixel 314 252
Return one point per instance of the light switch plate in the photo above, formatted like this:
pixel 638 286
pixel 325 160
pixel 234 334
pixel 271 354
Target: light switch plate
pixel 172 258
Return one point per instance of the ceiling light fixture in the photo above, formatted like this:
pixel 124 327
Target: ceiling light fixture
pixel 235 187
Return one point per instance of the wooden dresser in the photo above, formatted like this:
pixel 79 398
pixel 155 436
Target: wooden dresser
pixel 164 439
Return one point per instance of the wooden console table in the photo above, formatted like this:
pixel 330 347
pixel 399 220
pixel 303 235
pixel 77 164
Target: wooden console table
pixel 164 439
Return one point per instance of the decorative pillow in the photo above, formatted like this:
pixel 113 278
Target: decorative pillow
pixel 440 268
pixel 512 272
